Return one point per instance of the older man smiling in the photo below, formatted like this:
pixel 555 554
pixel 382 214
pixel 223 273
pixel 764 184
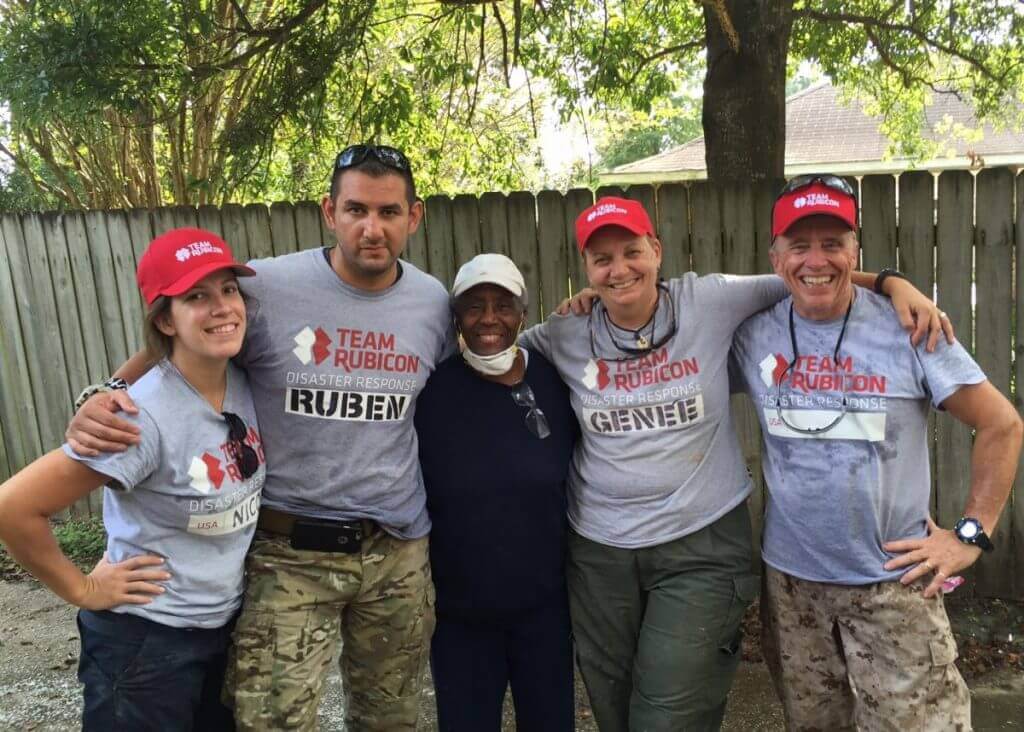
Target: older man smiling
pixel 854 627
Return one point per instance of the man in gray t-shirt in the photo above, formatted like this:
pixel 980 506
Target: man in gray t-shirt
pixel 852 637
pixel 340 342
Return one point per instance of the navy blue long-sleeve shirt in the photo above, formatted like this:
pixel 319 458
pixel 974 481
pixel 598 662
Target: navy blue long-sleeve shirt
pixel 495 492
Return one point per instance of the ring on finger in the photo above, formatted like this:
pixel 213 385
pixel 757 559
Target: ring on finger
pixel 942 314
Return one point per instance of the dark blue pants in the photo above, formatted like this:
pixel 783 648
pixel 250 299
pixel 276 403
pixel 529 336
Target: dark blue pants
pixel 474 663
pixel 141 675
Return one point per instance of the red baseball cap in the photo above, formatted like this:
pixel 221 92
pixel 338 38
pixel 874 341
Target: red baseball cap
pixel 815 199
pixel 612 211
pixel 179 258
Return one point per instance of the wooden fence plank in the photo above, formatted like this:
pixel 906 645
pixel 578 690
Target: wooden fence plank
pixel 764 199
pixel 878 222
pixel 493 208
pixel 609 191
pixel 1016 506
pixel 673 225
pixel 105 277
pixel 307 225
pixel 522 233
pixel 465 229
pixel 232 220
pixel 740 257
pixel 208 217
pixel 257 230
pixel 416 248
pixel 553 249
pixel 122 252
pixel 163 220
pixel 993 253
pixel 644 195
pixel 44 352
pixel 283 239
pixel 576 200
pixel 706 233
pixel 954 268
pixel 17 408
pixel 140 226
pixel 440 252
pixel 63 282
pixel 916 241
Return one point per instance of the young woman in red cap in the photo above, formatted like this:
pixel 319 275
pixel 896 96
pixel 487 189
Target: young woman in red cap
pixel 180 506
pixel 659 562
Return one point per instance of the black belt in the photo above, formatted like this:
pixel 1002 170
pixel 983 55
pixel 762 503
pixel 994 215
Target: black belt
pixel 321 535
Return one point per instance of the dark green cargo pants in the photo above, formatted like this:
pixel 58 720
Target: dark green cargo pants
pixel 658 629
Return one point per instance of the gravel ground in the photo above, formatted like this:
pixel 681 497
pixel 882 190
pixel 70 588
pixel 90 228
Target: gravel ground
pixel 39 691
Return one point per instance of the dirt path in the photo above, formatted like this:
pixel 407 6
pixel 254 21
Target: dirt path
pixel 39 691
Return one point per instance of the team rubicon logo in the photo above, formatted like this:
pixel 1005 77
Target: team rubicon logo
pixel 595 374
pixel 816 199
pixel 773 366
pixel 312 345
pixel 206 473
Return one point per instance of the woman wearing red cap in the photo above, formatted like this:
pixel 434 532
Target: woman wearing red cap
pixel 180 506
pixel 659 567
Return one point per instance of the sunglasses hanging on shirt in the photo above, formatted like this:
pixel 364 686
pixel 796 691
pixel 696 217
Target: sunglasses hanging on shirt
pixel 248 461
pixel 779 412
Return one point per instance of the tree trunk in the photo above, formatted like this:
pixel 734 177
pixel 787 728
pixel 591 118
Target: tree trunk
pixel 745 89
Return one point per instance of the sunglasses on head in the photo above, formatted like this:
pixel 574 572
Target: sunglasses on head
pixel 248 461
pixel 390 156
pixel 829 181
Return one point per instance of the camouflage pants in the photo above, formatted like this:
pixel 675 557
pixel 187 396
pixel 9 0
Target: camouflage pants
pixel 297 605
pixel 868 657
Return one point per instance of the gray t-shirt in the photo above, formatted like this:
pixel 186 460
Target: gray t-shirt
pixel 335 372
pixel 180 494
pixel 835 497
pixel 658 457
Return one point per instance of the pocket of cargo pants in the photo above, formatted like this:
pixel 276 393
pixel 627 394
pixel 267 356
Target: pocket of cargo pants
pixel 730 634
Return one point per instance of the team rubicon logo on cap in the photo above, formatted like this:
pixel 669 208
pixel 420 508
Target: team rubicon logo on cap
pixel 605 209
pixel 816 199
pixel 595 375
pixel 312 345
pixel 197 249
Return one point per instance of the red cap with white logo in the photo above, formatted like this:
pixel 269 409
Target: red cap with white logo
pixel 179 258
pixel 612 211
pixel 815 199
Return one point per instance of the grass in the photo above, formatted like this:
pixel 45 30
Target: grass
pixel 82 540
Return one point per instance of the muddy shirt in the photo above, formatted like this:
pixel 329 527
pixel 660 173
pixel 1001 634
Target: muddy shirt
pixel 658 457
pixel 180 494
pixel 835 497
pixel 335 372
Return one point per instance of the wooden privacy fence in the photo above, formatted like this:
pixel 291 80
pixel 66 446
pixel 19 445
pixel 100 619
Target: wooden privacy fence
pixel 70 312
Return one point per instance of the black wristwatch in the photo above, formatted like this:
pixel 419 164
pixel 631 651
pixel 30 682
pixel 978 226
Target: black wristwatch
pixel 886 274
pixel 969 531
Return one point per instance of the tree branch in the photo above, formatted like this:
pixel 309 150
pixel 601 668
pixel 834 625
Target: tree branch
pixel 867 21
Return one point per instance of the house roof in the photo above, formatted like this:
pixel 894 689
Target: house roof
pixel 823 132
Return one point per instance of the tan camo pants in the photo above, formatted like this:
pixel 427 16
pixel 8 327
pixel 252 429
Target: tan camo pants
pixel 298 604
pixel 870 657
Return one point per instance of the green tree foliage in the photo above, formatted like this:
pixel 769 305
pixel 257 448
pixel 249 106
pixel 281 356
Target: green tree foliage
pixel 150 102
pixel 147 102
pixel 626 53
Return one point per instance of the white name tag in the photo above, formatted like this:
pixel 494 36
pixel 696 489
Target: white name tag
pixel 864 426
pixel 226 522
pixel 349 406
pixel 652 418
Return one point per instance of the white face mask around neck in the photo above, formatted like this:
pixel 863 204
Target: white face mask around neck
pixel 496 364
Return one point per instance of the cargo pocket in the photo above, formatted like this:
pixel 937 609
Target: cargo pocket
pixel 730 635
pixel 250 666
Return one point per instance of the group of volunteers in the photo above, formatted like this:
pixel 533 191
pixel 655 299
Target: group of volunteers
pixel 297 428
